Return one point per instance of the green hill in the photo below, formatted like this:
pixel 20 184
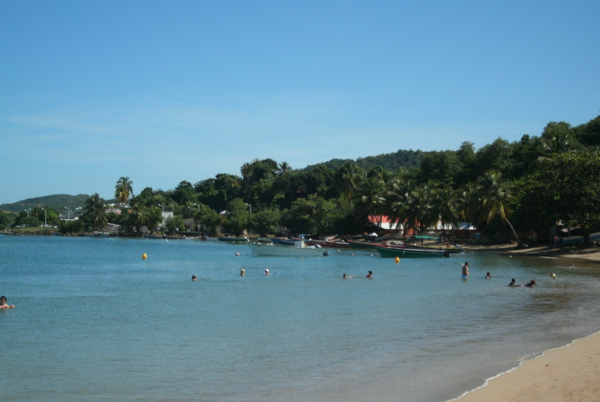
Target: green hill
pixel 401 159
pixel 58 201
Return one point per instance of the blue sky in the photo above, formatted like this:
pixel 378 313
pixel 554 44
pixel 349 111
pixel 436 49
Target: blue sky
pixel 165 91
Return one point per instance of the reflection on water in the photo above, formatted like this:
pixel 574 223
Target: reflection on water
pixel 95 321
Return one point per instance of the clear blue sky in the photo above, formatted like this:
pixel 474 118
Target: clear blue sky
pixel 164 91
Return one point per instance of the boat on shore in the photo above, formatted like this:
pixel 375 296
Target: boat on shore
pixel 300 249
pixel 406 252
pixel 359 245
pixel 234 239
pixel 209 238
pixel 336 244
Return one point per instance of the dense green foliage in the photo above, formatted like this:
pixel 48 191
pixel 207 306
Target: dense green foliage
pixel 508 188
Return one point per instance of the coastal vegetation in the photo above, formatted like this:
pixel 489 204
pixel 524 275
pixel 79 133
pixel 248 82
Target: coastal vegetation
pixel 514 189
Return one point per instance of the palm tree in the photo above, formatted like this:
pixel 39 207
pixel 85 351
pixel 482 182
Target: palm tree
pixel 123 190
pixel 495 194
pixel 95 209
pixel 446 206
pixel 371 198
pixel 419 207
pixel 470 204
pixel 348 178
pixel 283 168
pixel 550 147
pixel 397 199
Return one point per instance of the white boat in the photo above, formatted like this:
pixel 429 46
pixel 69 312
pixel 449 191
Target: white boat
pixel 300 249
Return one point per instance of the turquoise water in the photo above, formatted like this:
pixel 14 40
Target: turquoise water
pixel 95 322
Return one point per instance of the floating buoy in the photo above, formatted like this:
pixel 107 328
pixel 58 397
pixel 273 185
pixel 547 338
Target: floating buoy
pixel 237 254
pixel 144 256
pixel 397 260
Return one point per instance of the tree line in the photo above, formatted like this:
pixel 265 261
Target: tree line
pixel 510 188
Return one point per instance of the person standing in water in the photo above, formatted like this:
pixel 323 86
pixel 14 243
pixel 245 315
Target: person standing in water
pixel 3 304
pixel 488 276
pixel 465 270
pixel 243 272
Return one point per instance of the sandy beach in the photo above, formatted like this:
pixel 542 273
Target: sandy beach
pixel 570 373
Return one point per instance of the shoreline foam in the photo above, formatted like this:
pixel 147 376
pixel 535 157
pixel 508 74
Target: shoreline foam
pixel 571 378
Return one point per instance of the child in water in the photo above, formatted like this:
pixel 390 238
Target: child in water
pixel 3 304
pixel 513 283
pixel 531 284
pixel 552 275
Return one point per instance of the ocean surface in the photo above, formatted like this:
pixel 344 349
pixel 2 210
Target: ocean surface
pixel 95 322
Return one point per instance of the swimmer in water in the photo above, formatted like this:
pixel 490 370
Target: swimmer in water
pixel 370 275
pixel 572 266
pixel 194 278
pixel 513 283
pixel 531 284
pixel 552 275
pixel 267 272
pixel 347 277
pixel 465 270
pixel 488 276
pixel 243 272
pixel 3 304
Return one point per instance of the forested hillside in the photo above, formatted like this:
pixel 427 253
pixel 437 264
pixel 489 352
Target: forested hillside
pixel 57 201
pixel 393 161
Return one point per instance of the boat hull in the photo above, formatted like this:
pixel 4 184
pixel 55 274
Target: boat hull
pixel 285 251
pixel 363 246
pixel 390 252
pixel 234 239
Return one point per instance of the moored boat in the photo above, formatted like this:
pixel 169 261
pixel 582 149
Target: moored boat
pixel 234 239
pixel 298 250
pixel 359 245
pixel 405 252
pixel 337 244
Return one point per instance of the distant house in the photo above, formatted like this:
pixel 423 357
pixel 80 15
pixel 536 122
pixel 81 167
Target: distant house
pixel 110 228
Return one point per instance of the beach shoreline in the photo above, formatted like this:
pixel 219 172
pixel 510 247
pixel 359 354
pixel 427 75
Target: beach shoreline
pixel 587 254
pixel 566 373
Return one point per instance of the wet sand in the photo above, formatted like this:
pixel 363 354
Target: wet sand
pixel 570 373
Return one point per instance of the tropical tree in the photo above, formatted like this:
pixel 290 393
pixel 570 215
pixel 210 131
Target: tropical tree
pixel 94 212
pixel 173 224
pixel 399 189
pixel 283 168
pixel 209 219
pixel 124 190
pixel 237 216
pixel 347 180
pixel 495 195
pixel 371 198
pixel 418 208
pixel 446 206
pixel 470 203
pixel 265 222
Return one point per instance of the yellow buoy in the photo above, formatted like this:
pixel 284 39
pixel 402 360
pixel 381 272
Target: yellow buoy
pixel 144 256
pixel 397 260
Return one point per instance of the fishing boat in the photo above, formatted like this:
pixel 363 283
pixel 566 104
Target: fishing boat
pixel 359 245
pixel 406 252
pixel 300 249
pixel 234 239
pixel 337 244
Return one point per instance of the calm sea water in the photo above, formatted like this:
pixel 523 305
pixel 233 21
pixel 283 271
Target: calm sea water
pixel 95 322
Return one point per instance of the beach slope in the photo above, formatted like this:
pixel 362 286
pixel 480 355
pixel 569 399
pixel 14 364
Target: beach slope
pixel 570 373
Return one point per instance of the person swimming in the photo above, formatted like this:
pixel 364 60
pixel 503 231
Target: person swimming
pixel 531 284
pixel 552 275
pixel 370 275
pixel 194 278
pixel 267 272
pixel 3 304
pixel 488 276
pixel 513 283
pixel 347 277
pixel 243 272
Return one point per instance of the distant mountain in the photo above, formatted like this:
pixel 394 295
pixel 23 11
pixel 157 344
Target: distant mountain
pixel 401 159
pixel 58 201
